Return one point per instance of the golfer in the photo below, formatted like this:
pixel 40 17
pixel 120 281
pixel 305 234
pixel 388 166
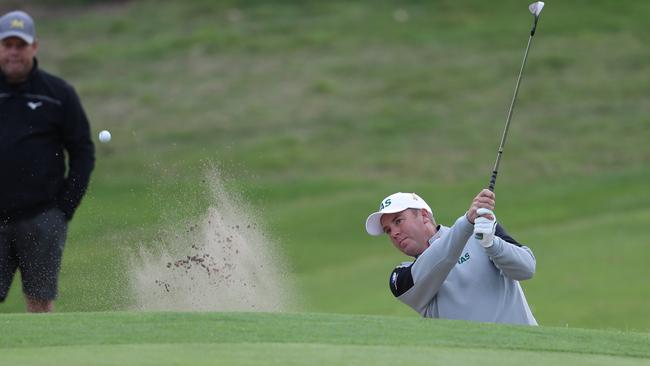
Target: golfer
pixel 468 271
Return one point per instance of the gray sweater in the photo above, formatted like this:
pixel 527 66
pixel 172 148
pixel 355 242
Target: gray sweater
pixel 456 278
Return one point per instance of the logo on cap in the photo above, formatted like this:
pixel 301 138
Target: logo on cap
pixel 17 23
pixel 384 204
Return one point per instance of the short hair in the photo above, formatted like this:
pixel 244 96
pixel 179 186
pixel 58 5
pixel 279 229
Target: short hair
pixel 429 214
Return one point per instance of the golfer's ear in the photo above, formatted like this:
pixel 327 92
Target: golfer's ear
pixel 425 215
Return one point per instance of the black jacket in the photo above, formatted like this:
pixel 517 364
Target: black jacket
pixel 39 119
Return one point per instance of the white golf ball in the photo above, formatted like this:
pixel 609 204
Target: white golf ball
pixel 104 136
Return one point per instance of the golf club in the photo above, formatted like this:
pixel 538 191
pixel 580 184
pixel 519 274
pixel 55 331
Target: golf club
pixel 535 8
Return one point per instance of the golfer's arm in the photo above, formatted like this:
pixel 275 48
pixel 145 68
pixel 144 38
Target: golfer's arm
pixel 516 262
pixel 431 268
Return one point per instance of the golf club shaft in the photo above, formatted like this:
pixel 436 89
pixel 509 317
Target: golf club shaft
pixel 495 171
pixel 535 8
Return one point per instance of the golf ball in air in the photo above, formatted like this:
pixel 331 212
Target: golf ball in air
pixel 104 136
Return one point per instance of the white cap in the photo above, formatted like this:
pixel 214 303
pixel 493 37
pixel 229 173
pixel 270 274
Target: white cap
pixel 396 202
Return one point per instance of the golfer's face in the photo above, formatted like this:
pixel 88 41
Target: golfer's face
pixel 16 58
pixel 407 231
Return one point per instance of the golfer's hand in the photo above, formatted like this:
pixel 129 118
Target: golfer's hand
pixel 484 227
pixel 485 199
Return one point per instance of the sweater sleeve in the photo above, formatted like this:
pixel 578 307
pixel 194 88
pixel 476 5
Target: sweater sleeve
pixel 430 269
pixel 81 154
pixel 515 261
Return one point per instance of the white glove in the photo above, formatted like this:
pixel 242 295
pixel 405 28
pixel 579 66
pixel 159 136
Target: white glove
pixel 484 227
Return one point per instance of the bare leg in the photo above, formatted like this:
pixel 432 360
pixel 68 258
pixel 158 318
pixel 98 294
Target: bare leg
pixel 39 306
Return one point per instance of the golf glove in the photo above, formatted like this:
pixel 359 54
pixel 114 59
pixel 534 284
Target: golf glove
pixel 484 227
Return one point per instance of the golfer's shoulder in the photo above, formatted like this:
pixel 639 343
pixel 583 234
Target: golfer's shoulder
pixel 401 279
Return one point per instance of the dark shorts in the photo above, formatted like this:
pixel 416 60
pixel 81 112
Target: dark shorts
pixel 35 247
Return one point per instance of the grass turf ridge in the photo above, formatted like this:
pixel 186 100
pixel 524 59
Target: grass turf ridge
pixel 70 329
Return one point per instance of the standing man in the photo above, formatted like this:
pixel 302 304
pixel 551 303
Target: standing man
pixel 456 275
pixel 41 123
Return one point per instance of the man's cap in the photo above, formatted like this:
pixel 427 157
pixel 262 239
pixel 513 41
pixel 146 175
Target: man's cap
pixel 396 202
pixel 17 24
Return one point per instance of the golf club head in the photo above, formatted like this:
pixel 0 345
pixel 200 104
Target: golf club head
pixel 536 8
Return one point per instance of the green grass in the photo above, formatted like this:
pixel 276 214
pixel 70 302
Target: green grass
pixel 315 111
pixel 297 339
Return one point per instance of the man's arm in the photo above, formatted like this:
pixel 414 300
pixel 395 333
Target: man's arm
pixel 515 261
pixel 420 282
pixel 417 285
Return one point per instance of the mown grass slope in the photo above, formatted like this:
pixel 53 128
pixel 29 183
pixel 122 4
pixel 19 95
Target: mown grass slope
pixel 297 339
pixel 318 110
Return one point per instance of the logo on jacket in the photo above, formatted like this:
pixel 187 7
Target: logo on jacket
pixel 34 105
pixel 463 258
